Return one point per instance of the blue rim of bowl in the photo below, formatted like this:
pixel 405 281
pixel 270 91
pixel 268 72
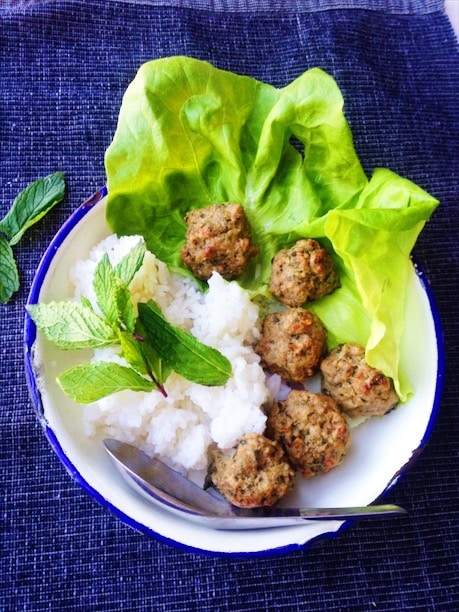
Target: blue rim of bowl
pixel 30 333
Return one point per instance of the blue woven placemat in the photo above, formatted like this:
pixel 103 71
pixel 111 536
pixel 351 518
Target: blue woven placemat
pixel 64 67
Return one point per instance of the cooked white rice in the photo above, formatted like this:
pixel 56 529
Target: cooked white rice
pixel 181 427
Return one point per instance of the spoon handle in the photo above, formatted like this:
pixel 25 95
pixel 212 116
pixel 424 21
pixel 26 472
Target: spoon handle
pixel 260 518
pixel 356 512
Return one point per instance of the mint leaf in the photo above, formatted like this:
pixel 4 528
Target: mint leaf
pixel 144 359
pixel 131 350
pixel 113 295
pixel 156 365
pixel 181 351
pixel 9 277
pixel 71 325
pixel 130 263
pixel 125 308
pixel 31 204
pixel 105 286
pixel 86 302
pixel 90 382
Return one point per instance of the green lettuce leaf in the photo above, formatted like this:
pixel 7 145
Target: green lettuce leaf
pixel 190 135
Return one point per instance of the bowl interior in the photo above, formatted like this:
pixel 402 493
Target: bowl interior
pixel 382 448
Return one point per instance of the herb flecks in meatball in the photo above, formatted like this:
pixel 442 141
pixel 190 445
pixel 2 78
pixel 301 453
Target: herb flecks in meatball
pixel 359 389
pixel 219 239
pixel 254 474
pixel 292 344
pixel 311 429
pixel 302 273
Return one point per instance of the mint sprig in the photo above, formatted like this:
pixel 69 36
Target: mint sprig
pixel 29 206
pixel 151 346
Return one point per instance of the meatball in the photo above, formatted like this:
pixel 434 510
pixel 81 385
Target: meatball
pixel 311 429
pixel 218 238
pixel 359 389
pixel 304 272
pixel 292 344
pixel 255 473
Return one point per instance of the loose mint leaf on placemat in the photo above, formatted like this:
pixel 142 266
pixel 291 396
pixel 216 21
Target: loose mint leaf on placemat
pixel 31 204
pixel 90 382
pixel 9 277
pixel 71 325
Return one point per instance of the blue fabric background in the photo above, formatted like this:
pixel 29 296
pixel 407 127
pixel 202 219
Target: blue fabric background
pixel 64 67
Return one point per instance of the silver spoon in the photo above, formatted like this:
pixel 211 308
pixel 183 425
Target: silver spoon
pixel 169 489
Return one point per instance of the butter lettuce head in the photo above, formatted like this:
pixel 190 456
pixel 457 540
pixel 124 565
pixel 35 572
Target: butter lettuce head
pixel 190 135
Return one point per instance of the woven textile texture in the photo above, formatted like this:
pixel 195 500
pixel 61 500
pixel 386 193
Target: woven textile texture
pixel 64 67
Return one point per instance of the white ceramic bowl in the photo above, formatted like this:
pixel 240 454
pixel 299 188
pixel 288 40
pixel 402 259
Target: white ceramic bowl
pixel 382 449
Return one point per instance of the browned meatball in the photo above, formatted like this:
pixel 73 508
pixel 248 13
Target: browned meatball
pixel 292 343
pixel 359 389
pixel 311 429
pixel 218 238
pixel 254 474
pixel 304 272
